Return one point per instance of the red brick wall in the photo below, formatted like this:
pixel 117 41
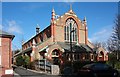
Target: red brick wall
pixel 6 52
pixel 6 57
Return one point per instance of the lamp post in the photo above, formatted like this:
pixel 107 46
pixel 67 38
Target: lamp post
pixel 71 48
pixel 71 40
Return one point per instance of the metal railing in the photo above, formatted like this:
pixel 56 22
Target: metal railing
pixel 44 65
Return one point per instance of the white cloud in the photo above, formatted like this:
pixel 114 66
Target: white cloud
pixel 102 35
pixel 100 32
pixel 13 27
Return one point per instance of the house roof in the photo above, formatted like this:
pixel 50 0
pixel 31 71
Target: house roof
pixel 6 34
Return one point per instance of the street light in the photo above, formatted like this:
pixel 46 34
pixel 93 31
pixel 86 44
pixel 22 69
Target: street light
pixel 71 39
pixel 71 47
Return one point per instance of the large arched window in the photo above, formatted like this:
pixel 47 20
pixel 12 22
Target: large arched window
pixel 69 26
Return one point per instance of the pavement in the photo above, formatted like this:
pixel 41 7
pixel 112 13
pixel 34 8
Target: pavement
pixel 22 72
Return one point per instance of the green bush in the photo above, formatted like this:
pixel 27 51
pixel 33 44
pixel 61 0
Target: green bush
pixel 110 63
pixel 19 60
pixel 114 64
pixel 32 65
pixel 26 61
pixel 112 60
pixel 117 65
pixel 23 61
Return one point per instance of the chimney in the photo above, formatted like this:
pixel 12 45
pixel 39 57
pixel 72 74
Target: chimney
pixel 53 15
pixel 37 29
pixel 85 21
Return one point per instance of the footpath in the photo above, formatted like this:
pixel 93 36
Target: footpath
pixel 23 72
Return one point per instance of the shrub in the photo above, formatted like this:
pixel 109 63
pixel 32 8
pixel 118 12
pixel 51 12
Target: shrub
pixel 19 60
pixel 23 61
pixel 117 65
pixel 26 61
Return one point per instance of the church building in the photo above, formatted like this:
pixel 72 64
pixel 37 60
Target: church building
pixel 65 39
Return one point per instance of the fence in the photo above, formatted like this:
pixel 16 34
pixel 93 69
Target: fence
pixel 44 65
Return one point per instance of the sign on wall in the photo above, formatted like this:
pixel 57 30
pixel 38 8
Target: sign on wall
pixel 9 71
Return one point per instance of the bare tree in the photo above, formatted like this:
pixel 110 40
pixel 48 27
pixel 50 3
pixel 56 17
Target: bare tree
pixel 100 44
pixel 114 41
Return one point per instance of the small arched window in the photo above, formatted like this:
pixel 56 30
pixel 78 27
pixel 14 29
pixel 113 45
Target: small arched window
pixel 101 54
pixel 69 26
pixel 55 52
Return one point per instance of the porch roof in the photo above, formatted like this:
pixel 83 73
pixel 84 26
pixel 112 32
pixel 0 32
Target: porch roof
pixel 43 49
pixel 79 48
pixel 27 50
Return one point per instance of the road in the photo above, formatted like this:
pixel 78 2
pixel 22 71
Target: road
pixel 21 72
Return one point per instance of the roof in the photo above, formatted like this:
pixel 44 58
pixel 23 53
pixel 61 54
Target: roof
pixel 34 36
pixel 6 34
pixel 23 51
pixel 81 48
pixel 27 50
pixel 76 48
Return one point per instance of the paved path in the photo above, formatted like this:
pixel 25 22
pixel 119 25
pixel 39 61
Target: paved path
pixel 22 72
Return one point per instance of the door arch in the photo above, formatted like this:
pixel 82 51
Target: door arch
pixel 56 56
pixel 101 56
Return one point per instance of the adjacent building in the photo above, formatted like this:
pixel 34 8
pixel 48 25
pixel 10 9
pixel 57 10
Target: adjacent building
pixel 65 39
pixel 5 53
